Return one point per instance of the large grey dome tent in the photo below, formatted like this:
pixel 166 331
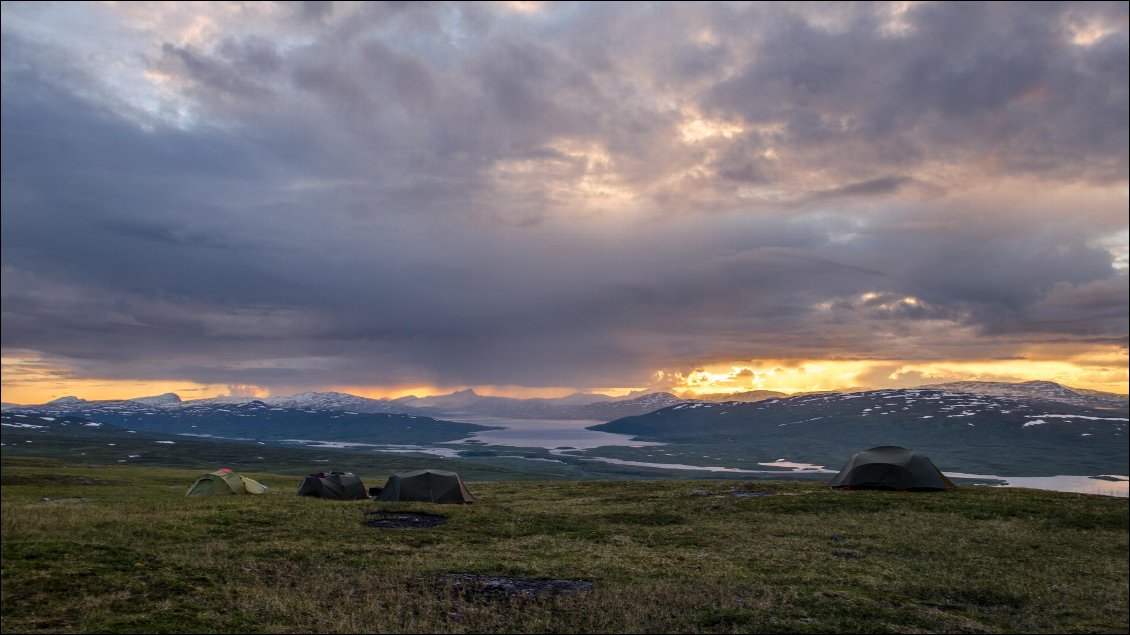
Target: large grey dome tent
pixel 891 467
pixel 335 485
pixel 430 486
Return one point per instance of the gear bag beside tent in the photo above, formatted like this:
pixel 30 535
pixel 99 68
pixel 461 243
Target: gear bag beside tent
pixel 429 486
pixel 224 482
pixel 891 467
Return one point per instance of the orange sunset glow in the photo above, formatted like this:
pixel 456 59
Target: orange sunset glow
pixel 1102 370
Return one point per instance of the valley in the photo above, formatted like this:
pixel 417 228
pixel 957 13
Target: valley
pixel 1007 432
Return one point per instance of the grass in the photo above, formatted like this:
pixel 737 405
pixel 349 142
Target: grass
pixel 119 549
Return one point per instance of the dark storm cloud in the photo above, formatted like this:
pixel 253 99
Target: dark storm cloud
pixel 427 193
pixel 968 81
pixel 882 185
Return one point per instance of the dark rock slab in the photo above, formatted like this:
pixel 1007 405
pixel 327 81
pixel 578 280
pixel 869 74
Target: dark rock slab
pixel 750 494
pixel 485 586
pixel 409 520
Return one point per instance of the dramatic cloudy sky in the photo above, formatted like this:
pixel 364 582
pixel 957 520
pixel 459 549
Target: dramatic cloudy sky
pixel 533 198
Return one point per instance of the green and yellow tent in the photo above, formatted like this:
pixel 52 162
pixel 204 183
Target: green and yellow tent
pixel 224 482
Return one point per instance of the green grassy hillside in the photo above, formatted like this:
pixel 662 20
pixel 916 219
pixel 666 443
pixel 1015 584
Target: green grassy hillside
pixel 119 549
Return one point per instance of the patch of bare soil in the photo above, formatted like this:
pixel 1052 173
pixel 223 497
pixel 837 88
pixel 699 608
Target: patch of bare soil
pixel 409 520
pixel 493 587
pixel 734 493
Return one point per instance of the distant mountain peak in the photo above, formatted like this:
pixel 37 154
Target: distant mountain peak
pixel 315 393
pixel 159 400
pixel 457 399
pixel 328 399
pixel 61 401
pixel 745 396
pixel 579 398
pixel 661 394
pixel 1043 390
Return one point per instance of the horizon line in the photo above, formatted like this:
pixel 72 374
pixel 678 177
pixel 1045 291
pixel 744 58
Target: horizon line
pixel 689 395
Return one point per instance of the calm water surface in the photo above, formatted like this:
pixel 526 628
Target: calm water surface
pixel 547 433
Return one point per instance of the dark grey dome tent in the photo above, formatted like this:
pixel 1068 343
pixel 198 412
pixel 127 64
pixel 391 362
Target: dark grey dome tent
pixel 891 467
pixel 335 485
pixel 429 486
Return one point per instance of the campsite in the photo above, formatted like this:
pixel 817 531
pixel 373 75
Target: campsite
pixel 121 549
pixel 564 317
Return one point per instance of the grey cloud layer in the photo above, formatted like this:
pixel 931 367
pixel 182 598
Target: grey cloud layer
pixel 428 192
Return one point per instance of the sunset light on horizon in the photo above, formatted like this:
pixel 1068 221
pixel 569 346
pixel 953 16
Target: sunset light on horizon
pixel 789 377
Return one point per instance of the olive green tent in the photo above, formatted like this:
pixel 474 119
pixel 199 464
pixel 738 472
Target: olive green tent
pixel 431 486
pixel 891 467
pixel 336 485
pixel 224 482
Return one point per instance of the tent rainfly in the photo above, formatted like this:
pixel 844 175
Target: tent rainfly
pixel 335 485
pixel 224 482
pixel 430 486
pixel 891 467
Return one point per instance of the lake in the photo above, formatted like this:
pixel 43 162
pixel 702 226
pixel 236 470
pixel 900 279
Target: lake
pixel 546 433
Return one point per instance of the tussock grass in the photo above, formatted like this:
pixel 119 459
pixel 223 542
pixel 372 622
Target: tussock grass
pixel 136 556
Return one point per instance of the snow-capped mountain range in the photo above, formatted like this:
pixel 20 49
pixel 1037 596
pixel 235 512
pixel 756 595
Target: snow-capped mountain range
pixel 464 403
pixel 1042 390
pixel 1036 428
pixel 577 406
